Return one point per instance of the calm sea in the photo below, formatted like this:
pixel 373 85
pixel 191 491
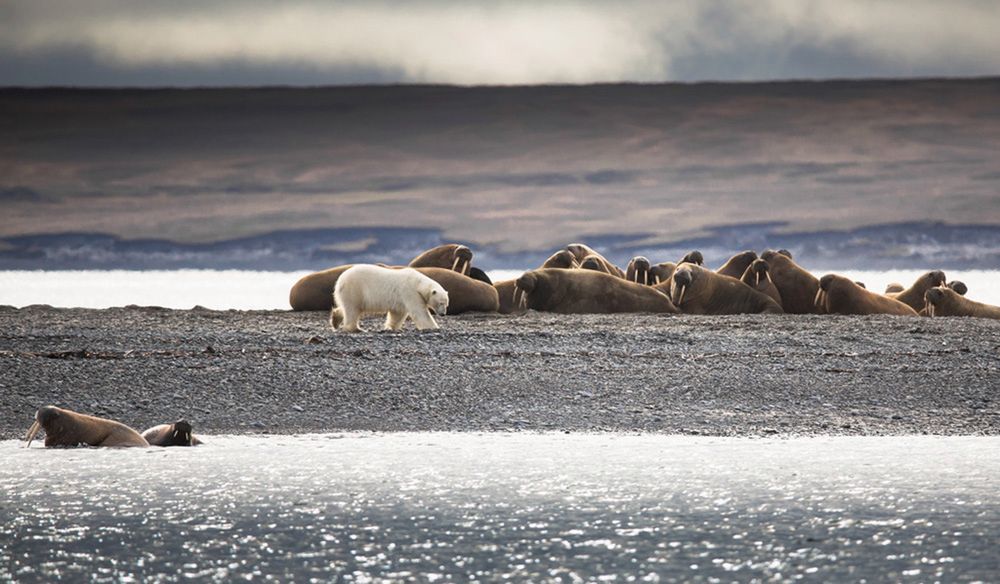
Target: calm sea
pixel 247 290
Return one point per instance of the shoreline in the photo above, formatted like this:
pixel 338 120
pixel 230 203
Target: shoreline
pixel 279 372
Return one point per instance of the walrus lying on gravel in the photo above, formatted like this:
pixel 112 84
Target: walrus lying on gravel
pixel 176 434
pixel 944 301
pixel 450 256
pixel 698 290
pixel 796 286
pixel 505 289
pixel 758 277
pixel 914 295
pixel 315 291
pixel 68 428
pixel 894 288
pixel 464 293
pixel 586 292
pixel 738 264
pixel 581 252
pixel 642 272
pixel 839 295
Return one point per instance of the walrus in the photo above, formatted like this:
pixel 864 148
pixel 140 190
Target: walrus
pixel 586 292
pixel 757 276
pixel 581 252
pixel 561 259
pixel 660 273
pixel 176 434
pixel 68 428
pixel 464 293
pixel 796 286
pixel 894 288
pixel 450 256
pixel 944 301
pixel 698 290
pixel 958 286
pixel 593 262
pixel 914 295
pixel 839 295
pixel 477 274
pixel 315 291
pixel 638 271
pixel 738 264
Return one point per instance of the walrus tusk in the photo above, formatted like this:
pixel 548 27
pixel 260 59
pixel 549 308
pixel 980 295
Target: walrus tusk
pixel 819 296
pixel 455 264
pixel 756 276
pixel 680 298
pixel 930 309
pixel 657 280
pixel 32 431
pixel 768 276
pixel 645 278
pixel 468 264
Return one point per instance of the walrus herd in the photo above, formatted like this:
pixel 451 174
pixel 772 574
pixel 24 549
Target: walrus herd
pixel 577 279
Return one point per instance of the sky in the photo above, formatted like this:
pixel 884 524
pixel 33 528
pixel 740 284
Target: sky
pixel 492 42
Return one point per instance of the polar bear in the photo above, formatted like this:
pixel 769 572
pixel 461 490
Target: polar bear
pixel 402 292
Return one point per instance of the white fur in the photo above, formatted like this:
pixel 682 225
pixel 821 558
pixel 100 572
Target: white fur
pixel 367 289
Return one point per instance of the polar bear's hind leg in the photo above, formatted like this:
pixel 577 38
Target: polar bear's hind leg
pixel 394 320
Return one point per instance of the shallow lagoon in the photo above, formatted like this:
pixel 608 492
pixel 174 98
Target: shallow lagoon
pixel 537 507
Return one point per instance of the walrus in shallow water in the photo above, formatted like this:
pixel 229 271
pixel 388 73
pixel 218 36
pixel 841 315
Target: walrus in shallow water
pixel 586 292
pixel 698 290
pixel 738 264
pixel 757 276
pixel 451 256
pixel 839 295
pixel 176 434
pixel 796 286
pixel 464 293
pixel 581 252
pixel 68 428
pixel 914 295
pixel 944 301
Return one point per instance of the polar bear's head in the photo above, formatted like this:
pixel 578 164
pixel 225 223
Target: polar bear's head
pixel 435 297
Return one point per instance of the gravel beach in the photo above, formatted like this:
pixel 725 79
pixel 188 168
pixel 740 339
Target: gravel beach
pixel 282 372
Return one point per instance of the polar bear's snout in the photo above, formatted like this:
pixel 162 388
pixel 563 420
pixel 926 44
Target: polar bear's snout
pixel 438 303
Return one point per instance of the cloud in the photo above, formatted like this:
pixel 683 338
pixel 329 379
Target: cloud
pixel 511 42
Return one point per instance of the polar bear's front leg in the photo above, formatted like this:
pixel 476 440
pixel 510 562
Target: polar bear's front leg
pixel 424 320
pixel 394 320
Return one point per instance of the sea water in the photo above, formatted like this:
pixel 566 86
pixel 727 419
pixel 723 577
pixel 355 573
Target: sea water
pixel 251 290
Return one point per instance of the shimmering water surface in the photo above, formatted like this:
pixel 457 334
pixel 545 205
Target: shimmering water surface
pixel 246 290
pixel 457 507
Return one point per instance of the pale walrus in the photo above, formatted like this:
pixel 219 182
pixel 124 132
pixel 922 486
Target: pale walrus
pixel 738 264
pixel 697 290
pixel 464 293
pixel 944 301
pixel 839 295
pixel 796 286
pixel 586 292
pixel 68 428
pixel 176 434
pixel 757 276
pixel 914 295
pixel 451 256
pixel 581 252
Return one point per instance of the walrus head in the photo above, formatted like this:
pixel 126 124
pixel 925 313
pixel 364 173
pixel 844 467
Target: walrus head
pixel 761 271
pixel 561 259
pixel 522 287
pixel 638 270
pixel 592 263
pixel 958 287
pixel 477 274
pixel 934 297
pixel 48 418
pixel 181 434
pixel 769 254
pixel 824 287
pixel 693 257
pixel 894 288
pixel 463 260
pixel 933 279
pixel 679 283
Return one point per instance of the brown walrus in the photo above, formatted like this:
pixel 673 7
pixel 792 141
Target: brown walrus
pixel 796 286
pixel 914 295
pixel 581 252
pixel 693 257
pixel 593 262
pixel 642 272
pixel 738 264
pixel 698 290
pixel 561 259
pixel 176 434
pixel 68 428
pixel 944 301
pixel 839 295
pixel 958 286
pixel 315 291
pixel 586 292
pixel 450 256
pixel 464 293
pixel 894 288
pixel 758 277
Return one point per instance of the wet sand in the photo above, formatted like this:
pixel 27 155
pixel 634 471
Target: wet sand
pixel 283 372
